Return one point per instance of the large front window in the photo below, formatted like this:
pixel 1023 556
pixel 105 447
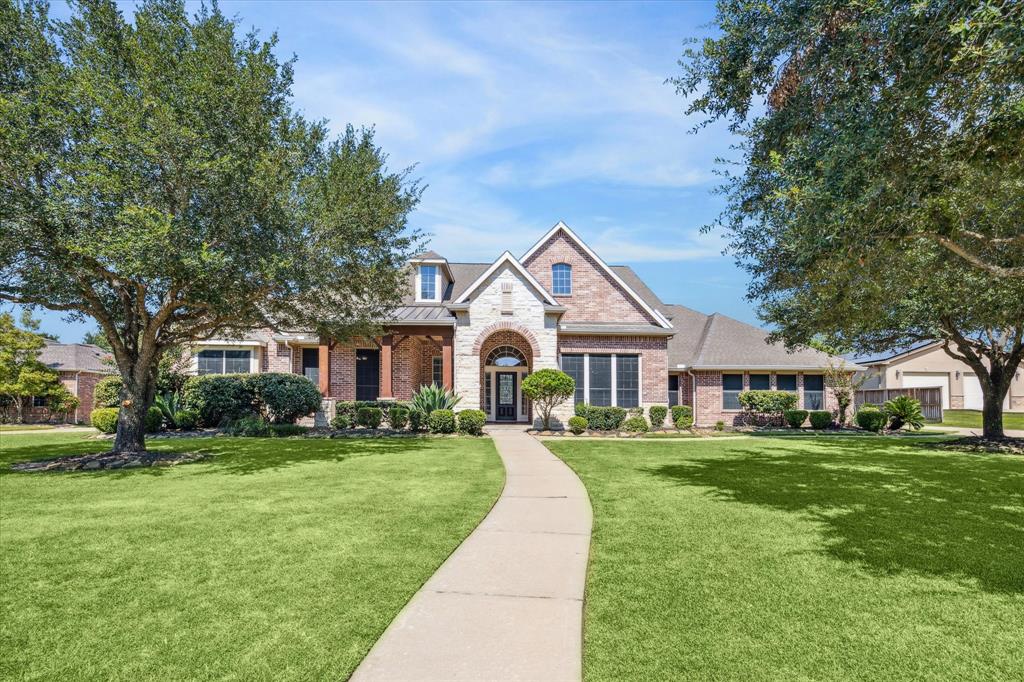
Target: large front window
pixel 604 380
pixel 428 282
pixel 814 391
pixel 732 386
pixel 561 279
pixel 760 382
pixel 224 361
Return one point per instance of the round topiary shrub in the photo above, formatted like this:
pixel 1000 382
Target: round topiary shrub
pixel 104 419
pixel 635 424
pixel 186 420
pixel 795 418
pixel 870 418
pixel 341 421
pixel 657 414
pixel 441 421
pixel 107 392
pixel 369 417
pixel 471 422
pixel 283 398
pixel 398 417
pixel 820 419
pixel 577 425
pixel 154 420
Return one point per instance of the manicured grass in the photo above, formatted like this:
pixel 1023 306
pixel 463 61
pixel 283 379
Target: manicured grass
pixel 971 419
pixel 801 558
pixel 278 559
pixel 26 427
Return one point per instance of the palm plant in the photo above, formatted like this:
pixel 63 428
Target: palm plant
pixel 904 410
pixel 169 405
pixel 434 397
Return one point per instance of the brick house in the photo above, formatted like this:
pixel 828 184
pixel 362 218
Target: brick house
pixel 79 367
pixel 479 328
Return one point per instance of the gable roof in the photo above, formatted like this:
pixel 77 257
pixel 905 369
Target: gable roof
pixel 897 354
pixel 76 357
pixel 564 229
pixel 505 259
pixel 717 341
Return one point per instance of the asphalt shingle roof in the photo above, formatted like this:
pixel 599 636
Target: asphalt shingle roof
pixel 76 357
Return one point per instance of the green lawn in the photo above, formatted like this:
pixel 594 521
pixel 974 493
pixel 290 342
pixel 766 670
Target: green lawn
pixel 26 427
pixel 971 419
pixel 801 558
pixel 278 559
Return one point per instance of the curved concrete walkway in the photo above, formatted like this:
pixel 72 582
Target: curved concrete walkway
pixel 508 603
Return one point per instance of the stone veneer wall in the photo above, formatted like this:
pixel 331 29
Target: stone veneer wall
pixel 503 337
pixel 653 352
pixel 595 295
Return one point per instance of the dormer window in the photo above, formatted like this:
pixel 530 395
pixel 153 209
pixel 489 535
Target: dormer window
pixel 428 283
pixel 561 279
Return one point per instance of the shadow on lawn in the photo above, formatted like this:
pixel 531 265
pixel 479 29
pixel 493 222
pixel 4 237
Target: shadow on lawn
pixel 238 456
pixel 891 508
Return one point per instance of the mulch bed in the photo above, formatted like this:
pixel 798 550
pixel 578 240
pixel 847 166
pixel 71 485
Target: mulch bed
pixel 109 460
pixel 974 444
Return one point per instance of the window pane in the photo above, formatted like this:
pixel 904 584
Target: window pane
pixel 732 382
pixel 814 382
pixel 814 400
pixel 436 371
pixel 627 380
pixel 601 380
pixel 759 382
pixel 236 361
pixel 673 389
pixel 573 366
pixel 561 279
pixel 786 382
pixel 732 386
pixel 211 362
pixel 428 281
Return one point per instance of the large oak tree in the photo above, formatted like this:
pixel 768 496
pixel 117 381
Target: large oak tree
pixel 155 177
pixel 880 196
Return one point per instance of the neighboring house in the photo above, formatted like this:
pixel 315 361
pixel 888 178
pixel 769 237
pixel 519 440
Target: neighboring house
pixel 479 328
pixel 79 366
pixel 928 365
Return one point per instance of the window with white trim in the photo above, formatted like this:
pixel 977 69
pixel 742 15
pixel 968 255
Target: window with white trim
pixel 786 382
pixel 561 279
pixel 627 380
pixel 604 380
pixel 814 392
pixel 732 386
pixel 223 361
pixel 428 282
pixel 760 382
pixel 573 366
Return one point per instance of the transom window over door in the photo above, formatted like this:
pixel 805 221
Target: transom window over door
pixel 506 356
pixel 561 279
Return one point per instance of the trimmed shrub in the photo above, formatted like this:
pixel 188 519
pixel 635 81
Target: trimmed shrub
pixel 154 420
pixel 441 421
pixel 681 410
pixel 548 388
pixel 657 414
pixel 870 418
pixel 471 422
pixel 287 430
pixel 820 419
pixel 186 420
pixel 104 419
pixel 602 418
pixel 768 402
pixel 685 421
pixel 341 421
pixel 635 424
pixel 218 398
pixel 417 420
pixel 370 417
pixel 107 392
pixel 577 424
pixel 398 417
pixel 719 425
pixel 283 398
pixel 795 418
pixel 251 426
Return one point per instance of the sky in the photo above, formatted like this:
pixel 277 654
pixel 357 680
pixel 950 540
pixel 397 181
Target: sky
pixel 517 116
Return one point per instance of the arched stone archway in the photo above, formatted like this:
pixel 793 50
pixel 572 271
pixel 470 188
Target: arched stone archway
pixel 506 355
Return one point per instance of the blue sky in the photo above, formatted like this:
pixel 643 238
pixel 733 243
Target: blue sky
pixel 520 115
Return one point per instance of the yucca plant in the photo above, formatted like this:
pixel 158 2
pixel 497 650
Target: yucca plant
pixel 903 410
pixel 434 397
pixel 169 404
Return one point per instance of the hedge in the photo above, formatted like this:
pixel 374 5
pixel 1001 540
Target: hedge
pixel 218 398
pixel 577 424
pixel 768 402
pixel 635 424
pixel 658 414
pixel 283 398
pixel 107 392
pixel 820 419
pixel 369 417
pixel 471 422
pixel 104 419
pixel 441 421
pixel 795 418
pixel 602 418
pixel 681 410
pixel 870 418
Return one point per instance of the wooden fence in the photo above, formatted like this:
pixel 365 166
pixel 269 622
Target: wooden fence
pixel 931 399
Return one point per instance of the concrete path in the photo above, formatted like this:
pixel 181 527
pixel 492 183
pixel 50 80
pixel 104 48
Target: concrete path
pixel 508 603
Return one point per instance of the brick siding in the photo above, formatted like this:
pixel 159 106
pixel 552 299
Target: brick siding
pixel 653 352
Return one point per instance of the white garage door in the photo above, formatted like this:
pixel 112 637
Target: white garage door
pixel 929 380
pixel 973 397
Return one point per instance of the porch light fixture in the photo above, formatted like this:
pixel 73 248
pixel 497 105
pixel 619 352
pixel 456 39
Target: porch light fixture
pixel 897 374
pixel 958 374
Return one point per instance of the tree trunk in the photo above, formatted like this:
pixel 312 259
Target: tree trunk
pixel 992 414
pixel 136 399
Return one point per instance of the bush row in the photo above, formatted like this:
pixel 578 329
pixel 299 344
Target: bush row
pixel 280 398
pixel 619 418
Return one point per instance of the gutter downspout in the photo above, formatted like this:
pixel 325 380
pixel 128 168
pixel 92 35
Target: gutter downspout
pixel 693 394
pixel 77 374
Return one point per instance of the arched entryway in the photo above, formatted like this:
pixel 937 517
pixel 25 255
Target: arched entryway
pixel 505 359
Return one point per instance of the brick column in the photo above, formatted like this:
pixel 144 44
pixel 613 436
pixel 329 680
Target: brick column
pixel 446 361
pixel 385 368
pixel 324 360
